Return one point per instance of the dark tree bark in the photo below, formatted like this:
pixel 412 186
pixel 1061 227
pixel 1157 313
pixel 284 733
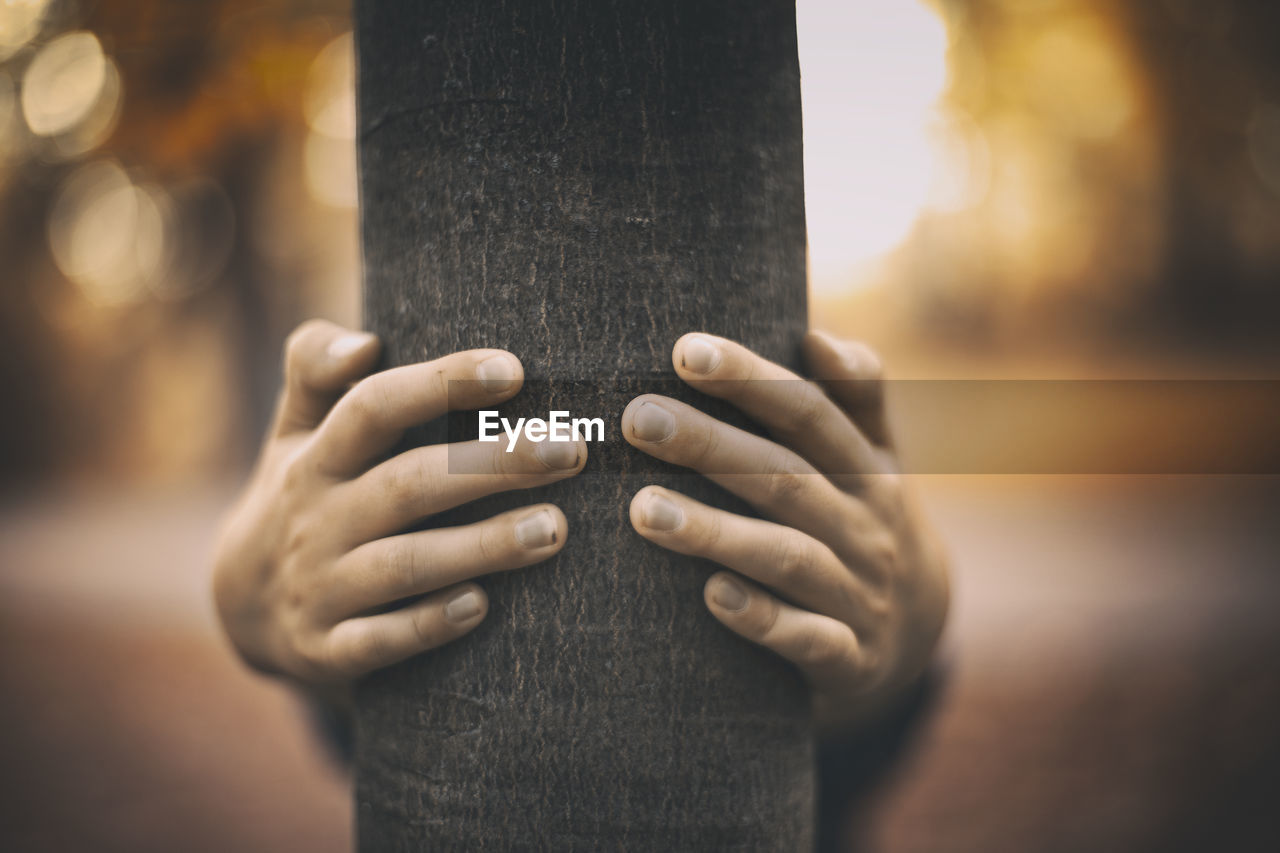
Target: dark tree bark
pixel 580 182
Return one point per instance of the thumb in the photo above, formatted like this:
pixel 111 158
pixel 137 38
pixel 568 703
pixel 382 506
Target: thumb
pixel 321 360
pixel 852 375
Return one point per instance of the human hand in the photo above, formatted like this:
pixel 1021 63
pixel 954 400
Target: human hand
pixel 846 580
pixel 310 556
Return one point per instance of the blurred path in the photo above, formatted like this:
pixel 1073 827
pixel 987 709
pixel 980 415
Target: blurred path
pixel 125 723
pixel 1113 660
pixel 1113 672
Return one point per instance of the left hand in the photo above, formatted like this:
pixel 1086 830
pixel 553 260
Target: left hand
pixel 846 580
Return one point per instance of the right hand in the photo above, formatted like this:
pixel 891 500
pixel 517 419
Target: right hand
pixel 310 556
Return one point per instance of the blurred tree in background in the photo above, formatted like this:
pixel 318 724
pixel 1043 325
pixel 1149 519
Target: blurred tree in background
pixel 159 230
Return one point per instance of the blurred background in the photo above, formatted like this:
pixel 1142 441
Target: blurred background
pixel 1031 189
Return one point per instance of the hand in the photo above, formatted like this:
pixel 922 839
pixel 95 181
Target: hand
pixel 310 557
pixel 845 578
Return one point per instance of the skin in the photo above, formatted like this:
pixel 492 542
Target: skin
pixel 840 574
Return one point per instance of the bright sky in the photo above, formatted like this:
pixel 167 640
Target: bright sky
pixel 872 72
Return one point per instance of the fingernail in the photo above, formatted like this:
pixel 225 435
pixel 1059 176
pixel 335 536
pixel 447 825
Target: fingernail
pixel 730 595
pixel 558 454
pixel 652 423
pixel 496 373
pixel 700 355
pixel 340 348
pixel 661 514
pixel 537 530
pixel 464 607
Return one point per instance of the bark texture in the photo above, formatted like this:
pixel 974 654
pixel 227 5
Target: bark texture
pixel 580 182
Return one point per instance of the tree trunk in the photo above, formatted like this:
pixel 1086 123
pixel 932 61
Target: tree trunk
pixel 580 182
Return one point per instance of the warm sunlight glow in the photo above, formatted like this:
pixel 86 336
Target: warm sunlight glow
pixel 329 104
pixel 872 73
pixel 1082 84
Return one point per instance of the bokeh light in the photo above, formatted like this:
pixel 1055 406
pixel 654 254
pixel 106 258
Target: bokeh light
pixel 329 105
pixel 329 102
pixel 63 83
pixel 107 234
pixel 96 125
pixel 20 21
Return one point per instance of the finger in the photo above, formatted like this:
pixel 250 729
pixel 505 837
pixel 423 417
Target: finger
pixel 372 416
pixel 825 649
pixel 358 646
pixel 320 360
pixel 427 480
pixel 795 411
pixel 387 570
pixel 770 477
pixel 852 374
pixel 792 563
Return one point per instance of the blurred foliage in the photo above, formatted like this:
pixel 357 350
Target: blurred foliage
pixel 157 386
pixel 1105 177
pixel 1125 206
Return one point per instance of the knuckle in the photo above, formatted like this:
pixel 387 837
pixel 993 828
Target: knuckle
pixel 426 628
pixel 794 558
pixel 521 464
pixel 292 571
pixel 783 485
pixel 887 490
pixel 295 346
pixel 410 483
pixel 401 486
pixel 367 649
pixel 808 412
pixel 322 659
pixel 809 650
pixel 295 474
pixel 404 563
pixel 493 544
pixel 510 468
pixel 864 362
pixel 299 534
pixel 365 404
pixel 876 605
pixel 767 621
pixel 438 384
pixel 825 649
pixel 353 649
pixel 883 553
pixel 703 442
pixel 711 531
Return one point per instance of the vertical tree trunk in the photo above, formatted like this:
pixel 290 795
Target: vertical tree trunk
pixel 580 182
